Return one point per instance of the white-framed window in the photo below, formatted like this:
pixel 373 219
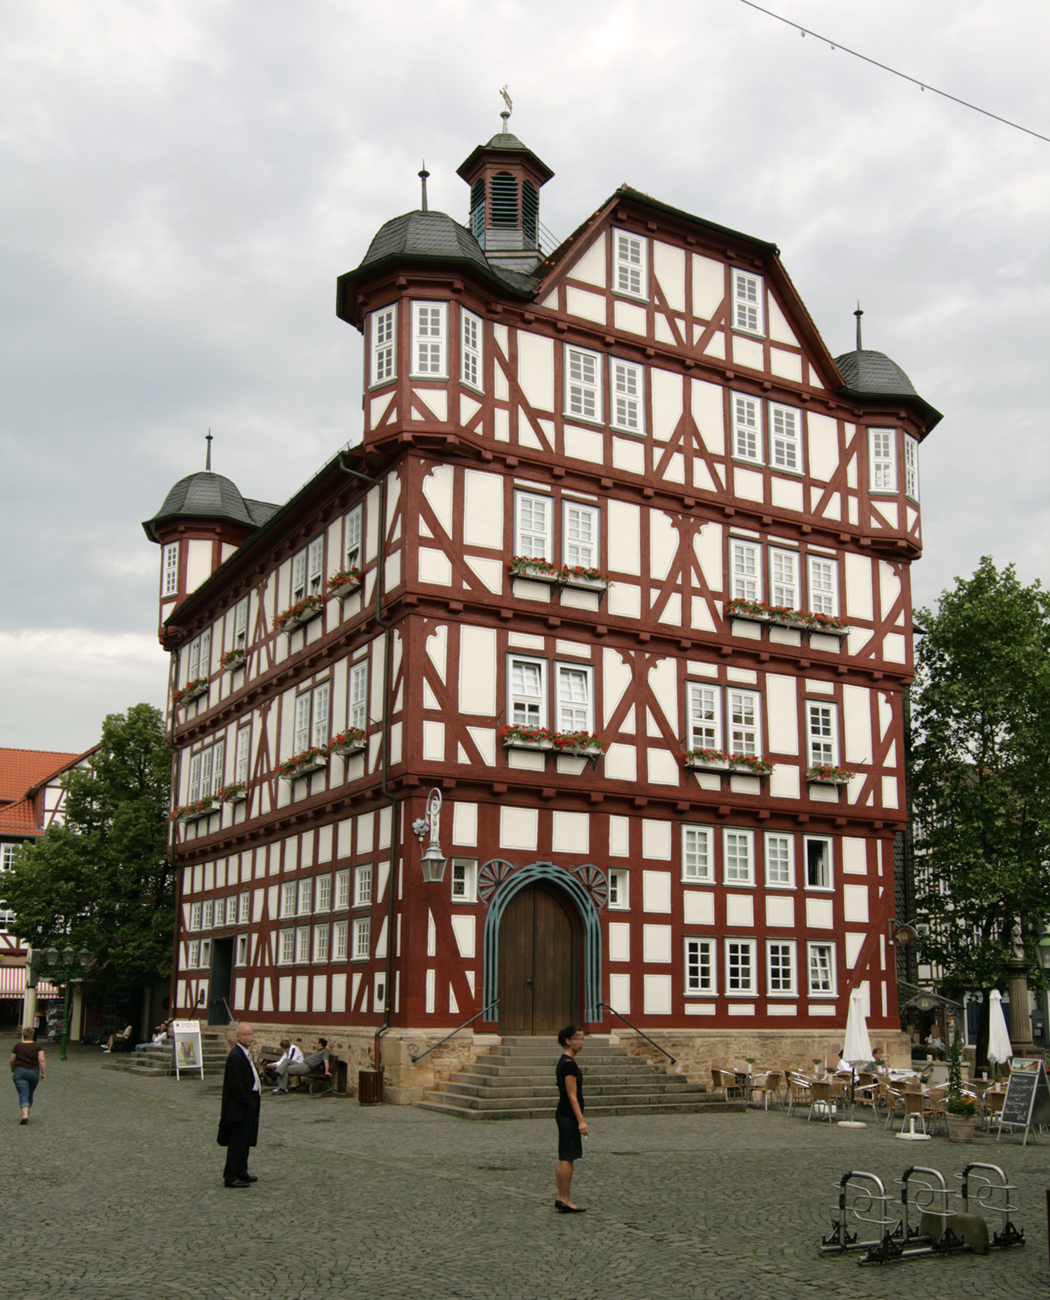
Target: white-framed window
pixel 200 656
pixel 464 880
pixel 619 889
pixel 698 854
pixel 630 256
pixel 302 945
pixel 322 694
pixel 219 915
pixel 747 427
pixel 306 895
pixel 342 889
pixel 627 405
pixel 193 792
pixel 308 570
pixel 340 940
pixel 311 718
pixel 195 916
pixel 823 586
pixel 321 936
pixel 821 960
pixel 745 560
pixel 745 729
pixel 218 766
pixel 363 885
pixel 780 860
pixel 205 954
pixel 352 531
pixel 785 438
pixel 818 862
pixel 533 526
pixel 242 754
pixel 289 898
pixel 242 950
pixel 780 967
pixel 240 624
pixel 575 697
pixel 193 954
pixel 384 344
pixel 741 976
pixel 244 908
pixel 287 948
pixel 882 445
pixel 301 738
pixel 429 340
pixel 170 570
pixel 527 692
pixel 738 857
pixel 208 917
pixel 911 467
pixel 231 910
pixel 703 716
pixel 700 971
pixel 583 384
pixel 748 313
pixel 362 938
pixel 822 733
pixel 783 578
pixel 359 695
pixel 470 367
pixel 323 894
pixel 580 535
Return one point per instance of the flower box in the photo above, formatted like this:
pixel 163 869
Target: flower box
pixel 190 691
pixel 526 738
pixel 585 751
pixel 587 584
pixel 758 611
pixel 232 660
pixel 560 575
pixel 719 760
pixel 343 583
pixel 829 775
pixel 235 792
pixel 564 742
pixel 192 812
pixel 310 760
pixel 537 570
pixel 351 741
pixel 298 614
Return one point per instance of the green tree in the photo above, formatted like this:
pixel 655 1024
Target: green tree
pixel 980 778
pixel 104 878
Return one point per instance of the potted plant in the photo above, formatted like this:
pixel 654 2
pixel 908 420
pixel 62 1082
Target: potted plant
pixel 962 1109
pixel 579 742
pixel 231 660
pixel 310 760
pixel 298 614
pixel 829 774
pixel 350 741
pixel 234 792
pixel 343 582
pixel 190 691
pixel 517 736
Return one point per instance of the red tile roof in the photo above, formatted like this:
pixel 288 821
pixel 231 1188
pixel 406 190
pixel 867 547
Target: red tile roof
pixel 18 818
pixel 21 769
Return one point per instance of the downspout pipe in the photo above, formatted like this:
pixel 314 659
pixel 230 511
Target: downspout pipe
pixel 384 766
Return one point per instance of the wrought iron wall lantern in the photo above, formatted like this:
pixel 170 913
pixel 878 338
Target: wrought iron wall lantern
pixel 433 862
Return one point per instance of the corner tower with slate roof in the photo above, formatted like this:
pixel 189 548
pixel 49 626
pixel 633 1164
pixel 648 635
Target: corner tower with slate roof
pixel 620 566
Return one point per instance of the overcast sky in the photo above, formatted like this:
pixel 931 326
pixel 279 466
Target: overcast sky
pixel 183 182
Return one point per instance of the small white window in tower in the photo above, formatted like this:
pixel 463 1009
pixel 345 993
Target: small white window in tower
pixel 628 412
pixel 911 467
pixel 745 559
pixel 352 536
pixel 244 744
pixel 240 624
pixel 744 731
pixel 747 427
pixel 823 586
pixel 747 303
pixel 883 460
pixel 429 339
pixel 464 880
pixel 783 578
pixel 470 350
pixel 384 344
pixel 580 535
pixel 359 696
pixel 320 727
pixel 533 526
pixel 703 716
pixel 822 734
pixel 575 712
pixel 527 703
pixel 630 258
pixel 170 582
pixel 583 372
pixel 784 440
pixel 302 723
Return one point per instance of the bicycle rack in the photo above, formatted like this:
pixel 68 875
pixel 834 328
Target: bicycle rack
pixel 994 1197
pixel 865 1200
pixel 930 1197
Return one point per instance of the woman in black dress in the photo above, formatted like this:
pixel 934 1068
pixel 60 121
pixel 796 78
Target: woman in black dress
pixel 572 1127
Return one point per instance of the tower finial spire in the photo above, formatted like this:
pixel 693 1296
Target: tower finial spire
pixel 207 460
pixel 508 110
pixel 859 313
pixel 423 181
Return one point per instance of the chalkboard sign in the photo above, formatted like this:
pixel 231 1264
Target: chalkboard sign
pixel 1027 1097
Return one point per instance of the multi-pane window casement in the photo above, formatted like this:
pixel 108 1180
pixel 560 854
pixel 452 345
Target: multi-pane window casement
pixel 630 255
pixel 703 716
pixel 306 895
pixel 823 586
pixel 170 570
pixel 748 313
pixel 240 624
pixel 429 340
pixel 911 467
pixel 286 948
pixel 359 695
pixel 580 535
pixel 464 880
pixel 744 723
pixel 780 967
pixel 470 358
pixel 785 440
pixel 740 967
pixel 747 427
pixel 302 944
pixel 821 969
pixel 619 889
pixel 575 698
pixel 783 578
pixel 745 560
pixel 242 950
pixel 533 526
pixel 308 570
pixel 818 863
pixel 301 738
pixel 342 890
pixel 698 853
pixel 780 860
pixel 384 344
pixel 527 692
pixel 363 886
pixel 219 915
pixel 193 792
pixel 208 915
pixel 323 894
pixel 289 898
pixel 821 733
pixel 195 916
pixel 340 940
pixel 352 530
pixel 244 906
pixel 321 935
pixel 242 754
pixel 319 733
pixel 218 766
pixel 311 718
pixel 200 656
pixel 583 378
pixel 626 382
pixel 738 857
pixel 700 965
pixel 362 938
pixel 193 954
pixel 882 450
pixel 207 769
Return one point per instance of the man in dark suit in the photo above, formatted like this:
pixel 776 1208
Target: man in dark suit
pixel 239 1122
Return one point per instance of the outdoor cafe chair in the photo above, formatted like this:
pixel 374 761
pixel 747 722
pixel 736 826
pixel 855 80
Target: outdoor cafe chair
pixel 937 1107
pixel 798 1091
pixel 894 1106
pixel 820 1091
pixel 767 1083
pixel 993 1105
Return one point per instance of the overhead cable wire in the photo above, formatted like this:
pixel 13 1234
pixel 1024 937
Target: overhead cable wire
pixel 923 85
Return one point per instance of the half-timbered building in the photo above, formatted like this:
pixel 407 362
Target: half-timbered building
pixel 620 567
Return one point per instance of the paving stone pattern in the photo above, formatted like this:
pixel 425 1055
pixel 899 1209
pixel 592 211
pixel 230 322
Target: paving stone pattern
pixel 116 1190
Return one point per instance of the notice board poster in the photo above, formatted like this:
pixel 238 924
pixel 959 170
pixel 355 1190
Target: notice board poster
pixel 188 1054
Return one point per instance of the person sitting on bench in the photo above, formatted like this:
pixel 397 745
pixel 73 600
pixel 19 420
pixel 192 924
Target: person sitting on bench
pixel 119 1042
pixel 317 1058
pixel 291 1056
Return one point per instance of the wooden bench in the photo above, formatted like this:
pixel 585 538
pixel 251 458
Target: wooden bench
pixel 315 1084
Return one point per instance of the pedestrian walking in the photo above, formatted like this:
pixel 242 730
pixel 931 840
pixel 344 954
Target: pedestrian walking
pixel 28 1068
pixel 239 1121
pixel 572 1127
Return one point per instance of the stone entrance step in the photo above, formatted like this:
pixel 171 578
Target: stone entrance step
pixel 159 1062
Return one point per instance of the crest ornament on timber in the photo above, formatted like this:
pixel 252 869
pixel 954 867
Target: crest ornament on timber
pixel 596 882
pixel 491 876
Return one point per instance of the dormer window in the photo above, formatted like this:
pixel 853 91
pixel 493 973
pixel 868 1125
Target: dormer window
pixel 308 570
pixel 429 340
pixel 630 265
pixel 747 303
pixel 384 333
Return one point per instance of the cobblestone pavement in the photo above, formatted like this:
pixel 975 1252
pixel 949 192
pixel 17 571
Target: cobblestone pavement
pixel 115 1189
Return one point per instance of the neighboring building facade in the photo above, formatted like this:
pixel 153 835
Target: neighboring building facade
pixel 618 519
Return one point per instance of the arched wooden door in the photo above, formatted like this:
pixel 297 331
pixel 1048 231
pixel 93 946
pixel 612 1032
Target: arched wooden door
pixel 539 963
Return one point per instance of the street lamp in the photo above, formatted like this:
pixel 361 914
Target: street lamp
pixel 433 863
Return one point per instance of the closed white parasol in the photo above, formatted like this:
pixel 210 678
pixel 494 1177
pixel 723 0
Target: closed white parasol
pixel 856 1049
pixel 999 1049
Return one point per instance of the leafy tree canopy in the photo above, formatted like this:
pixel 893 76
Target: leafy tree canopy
pixel 103 880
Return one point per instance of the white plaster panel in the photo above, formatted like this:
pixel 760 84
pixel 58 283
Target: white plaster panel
pixel 740 910
pixel 468 408
pixel 434 567
pixel 854 946
pixel 591 306
pixel 625 531
pixel 657 995
pixel 889 587
pixel 628 454
pixel 619 941
pixel 198 562
pixel 702 476
pixel 434 742
pixel 894 648
pixel 477 670
pixel 500 416
pixel 526 590
pixel 584 444
pixel 391 572
pixel 708 415
pixel 629 317
pixel 518 828
pixel 620 994
pixel 698 907
pixel 656 840
pixel 748 484
pixel 700 614
pixel 709 286
pixel 663 544
pixel 855 904
pixel 377 408
pixel 782 714
pixel 888 511
pixel 858 587
pixel 663 682
pixel 889 792
pixel 482 509
pixel 854 856
pixel 574 599
pixel 616 677
pixel 437 650
pixel 667 402
pixel 656 943
pixel 536 366
pixel 490 572
pixel 786 364
pixel 435 400
pixel 716 345
pixel 570 832
pixel 820 914
pixel 675 471
pixel 786 493
pixel 748 352
pixel 785 635
pixel 707 547
pixel 624 599
pixel 465 824
pixel 465 930
pixel 669 267
pixel 779 328
pixel 437 488
pixel 663 767
pixel 591 266
pixel 485 739
pixel 780 911
pixel 656 890
pixel 823 446
pixel 856 718
pixel 619 836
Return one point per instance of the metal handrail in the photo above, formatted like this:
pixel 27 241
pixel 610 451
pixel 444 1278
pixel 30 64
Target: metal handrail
pixel 455 1032
pixel 638 1031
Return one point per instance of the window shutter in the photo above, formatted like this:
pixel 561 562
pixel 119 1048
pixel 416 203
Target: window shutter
pixel 240 627
pixel 530 211
pixel 194 791
pixel 503 194
pixel 206 766
pixel 470 350
pixel 193 670
pixel 205 665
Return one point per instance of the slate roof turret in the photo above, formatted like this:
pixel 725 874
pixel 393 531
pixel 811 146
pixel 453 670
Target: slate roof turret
pixel 870 374
pixel 206 495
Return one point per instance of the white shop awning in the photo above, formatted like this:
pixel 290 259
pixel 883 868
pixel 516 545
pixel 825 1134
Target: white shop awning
pixel 13 984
